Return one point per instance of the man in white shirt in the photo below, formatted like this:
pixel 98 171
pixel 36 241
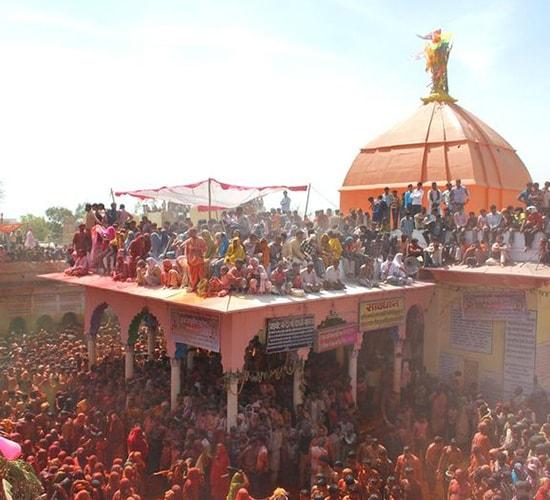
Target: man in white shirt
pixel 416 198
pixel 332 278
pixel 285 202
pixel 446 196
pixel 310 281
pixel 459 196
pixel 433 255
pixel 460 219
pixel 494 222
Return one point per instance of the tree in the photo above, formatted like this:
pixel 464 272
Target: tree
pixel 56 218
pixel 38 225
pixel 80 212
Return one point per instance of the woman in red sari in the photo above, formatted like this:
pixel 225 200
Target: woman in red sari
pixel 219 478
pixel 137 442
pixel 193 485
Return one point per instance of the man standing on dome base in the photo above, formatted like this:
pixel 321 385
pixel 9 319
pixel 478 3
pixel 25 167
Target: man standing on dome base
pixel 459 196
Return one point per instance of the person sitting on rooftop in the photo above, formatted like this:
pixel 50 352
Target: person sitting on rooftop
pixel 121 271
pixel 80 267
pixel 474 255
pixel 152 272
pixel 433 254
pixel 236 276
pixel 170 277
pixel 499 252
pixel 531 226
pixel 278 280
pixel 414 249
pixel 310 280
pixel 332 278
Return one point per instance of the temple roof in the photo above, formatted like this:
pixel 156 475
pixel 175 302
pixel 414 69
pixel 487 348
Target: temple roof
pixel 440 142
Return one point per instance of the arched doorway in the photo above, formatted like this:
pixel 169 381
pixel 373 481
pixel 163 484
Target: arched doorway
pixel 45 322
pixel 18 325
pixel 375 365
pixel 69 320
pixel 413 347
pixel 105 328
pixel 146 335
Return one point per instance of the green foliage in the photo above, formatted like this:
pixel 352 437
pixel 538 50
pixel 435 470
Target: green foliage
pixel 38 225
pixel 80 212
pixel 19 480
pixel 57 217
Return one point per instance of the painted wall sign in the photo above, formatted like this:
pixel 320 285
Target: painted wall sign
pixel 496 306
pixel 195 330
pixel 336 336
pixel 470 335
pixel 519 353
pixel 290 333
pixel 383 313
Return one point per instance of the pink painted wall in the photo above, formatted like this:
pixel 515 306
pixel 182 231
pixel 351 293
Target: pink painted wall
pixel 237 329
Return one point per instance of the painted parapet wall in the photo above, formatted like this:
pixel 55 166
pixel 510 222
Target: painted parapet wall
pixel 32 302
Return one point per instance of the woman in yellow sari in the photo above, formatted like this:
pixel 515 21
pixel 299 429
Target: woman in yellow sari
pixel 235 251
pixel 326 251
pixel 335 245
pixel 210 244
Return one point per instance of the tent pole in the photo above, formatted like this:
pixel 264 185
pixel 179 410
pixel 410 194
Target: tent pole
pixel 209 199
pixel 307 199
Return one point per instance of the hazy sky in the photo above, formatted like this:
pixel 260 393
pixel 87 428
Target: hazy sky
pixel 134 94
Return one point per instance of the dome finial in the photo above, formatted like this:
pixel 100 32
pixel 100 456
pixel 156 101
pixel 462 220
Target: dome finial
pixel 436 53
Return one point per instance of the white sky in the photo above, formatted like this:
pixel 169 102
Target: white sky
pixel 137 97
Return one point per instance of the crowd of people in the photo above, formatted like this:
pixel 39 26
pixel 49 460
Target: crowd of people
pixel 91 435
pixel 20 247
pixel 280 252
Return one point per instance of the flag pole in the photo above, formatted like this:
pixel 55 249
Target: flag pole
pixel 307 199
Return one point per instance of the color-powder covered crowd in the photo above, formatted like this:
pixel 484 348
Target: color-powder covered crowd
pixel 282 253
pixel 89 434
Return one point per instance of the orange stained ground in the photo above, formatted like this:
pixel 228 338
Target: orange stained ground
pixel 440 142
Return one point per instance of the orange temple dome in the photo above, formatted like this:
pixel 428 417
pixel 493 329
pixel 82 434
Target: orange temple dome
pixel 440 142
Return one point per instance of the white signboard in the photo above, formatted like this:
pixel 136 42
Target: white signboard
pixel 470 335
pixel 519 353
pixel 195 330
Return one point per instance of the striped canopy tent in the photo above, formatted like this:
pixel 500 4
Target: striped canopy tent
pixel 209 194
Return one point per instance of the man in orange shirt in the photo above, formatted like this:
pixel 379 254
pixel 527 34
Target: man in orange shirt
pixel 481 440
pixel 407 459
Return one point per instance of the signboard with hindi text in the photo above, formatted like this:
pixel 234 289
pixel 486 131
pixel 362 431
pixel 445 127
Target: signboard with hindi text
pixel 519 353
pixel 496 306
pixel 336 336
pixel 290 333
pixel 382 313
pixel 470 335
pixel 195 330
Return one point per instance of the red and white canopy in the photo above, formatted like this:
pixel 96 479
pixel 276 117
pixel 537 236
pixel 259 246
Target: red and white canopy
pixel 222 195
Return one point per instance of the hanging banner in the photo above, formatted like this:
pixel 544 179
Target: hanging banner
pixel 195 330
pixel 497 306
pixel 290 333
pixel 383 313
pixel 519 354
pixel 333 337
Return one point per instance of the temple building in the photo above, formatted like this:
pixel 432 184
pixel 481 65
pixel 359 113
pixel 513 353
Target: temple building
pixel 440 142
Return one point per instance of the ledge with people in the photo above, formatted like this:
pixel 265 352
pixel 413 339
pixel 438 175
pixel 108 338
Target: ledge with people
pixel 279 252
